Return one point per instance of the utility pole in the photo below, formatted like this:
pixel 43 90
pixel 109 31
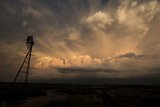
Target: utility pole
pixel 27 59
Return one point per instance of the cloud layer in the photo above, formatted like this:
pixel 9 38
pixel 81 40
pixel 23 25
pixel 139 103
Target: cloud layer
pixel 87 35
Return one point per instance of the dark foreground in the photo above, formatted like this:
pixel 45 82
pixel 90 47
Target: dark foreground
pixel 67 95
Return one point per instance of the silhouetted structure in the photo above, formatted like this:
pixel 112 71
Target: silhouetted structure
pixel 27 59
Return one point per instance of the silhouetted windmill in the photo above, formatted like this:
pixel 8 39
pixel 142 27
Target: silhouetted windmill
pixel 27 59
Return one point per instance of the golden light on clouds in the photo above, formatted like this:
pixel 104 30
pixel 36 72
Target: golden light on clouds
pixel 105 35
pixel 70 61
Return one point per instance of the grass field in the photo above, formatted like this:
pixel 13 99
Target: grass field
pixel 78 95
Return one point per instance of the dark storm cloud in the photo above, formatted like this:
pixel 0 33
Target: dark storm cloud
pixel 84 70
pixel 130 55
pixel 148 80
pixel 127 55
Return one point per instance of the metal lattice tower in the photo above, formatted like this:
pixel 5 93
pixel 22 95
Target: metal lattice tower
pixel 27 59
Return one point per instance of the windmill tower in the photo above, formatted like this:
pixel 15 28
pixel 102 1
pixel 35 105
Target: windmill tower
pixel 27 59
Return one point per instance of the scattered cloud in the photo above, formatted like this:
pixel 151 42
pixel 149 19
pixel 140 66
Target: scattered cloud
pixel 99 19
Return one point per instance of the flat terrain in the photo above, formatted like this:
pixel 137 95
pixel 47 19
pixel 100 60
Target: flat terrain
pixel 72 95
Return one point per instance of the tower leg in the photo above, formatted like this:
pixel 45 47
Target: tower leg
pixel 20 67
pixel 28 65
pixel 27 70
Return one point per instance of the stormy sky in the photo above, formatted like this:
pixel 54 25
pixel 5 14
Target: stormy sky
pixel 75 40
